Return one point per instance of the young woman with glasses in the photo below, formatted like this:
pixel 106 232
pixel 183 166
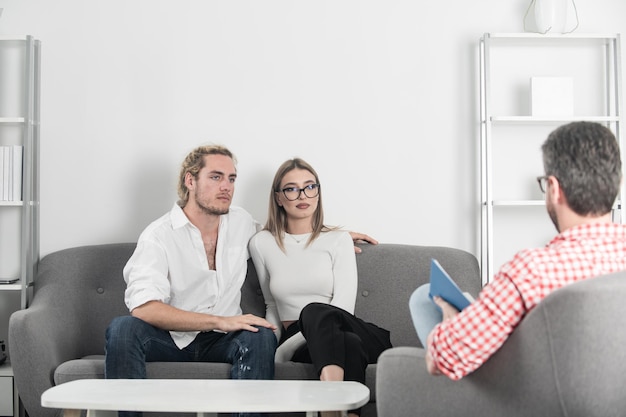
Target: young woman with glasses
pixel 308 275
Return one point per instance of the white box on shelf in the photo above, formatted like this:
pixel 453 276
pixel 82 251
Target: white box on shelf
pixel 552 96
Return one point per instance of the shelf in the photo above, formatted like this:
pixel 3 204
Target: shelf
pixel 12 120
pixel 13 37
pixel 518 203
pixel 528 35
pixel 16 286
pixel 23 121
pixel 549 39
pixel 551 120
pixel 20 54
pixel 598 56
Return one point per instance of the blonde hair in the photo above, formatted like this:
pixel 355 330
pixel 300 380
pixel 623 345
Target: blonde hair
pixel 193 163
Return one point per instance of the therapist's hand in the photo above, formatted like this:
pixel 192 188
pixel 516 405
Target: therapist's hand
pixel 431 366
pixel 447 309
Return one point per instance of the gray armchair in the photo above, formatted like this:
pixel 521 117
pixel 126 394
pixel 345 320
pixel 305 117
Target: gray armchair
pixel 566 358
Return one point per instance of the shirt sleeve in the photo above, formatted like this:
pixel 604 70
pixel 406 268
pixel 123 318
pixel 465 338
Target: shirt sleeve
pixel 462 344
pixel 146 275
pixel 271 311
pixel 345 274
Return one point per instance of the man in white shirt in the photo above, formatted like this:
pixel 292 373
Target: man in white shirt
pixel 184 282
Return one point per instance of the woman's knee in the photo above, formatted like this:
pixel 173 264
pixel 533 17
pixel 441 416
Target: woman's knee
pixel 316 313
pixel 313 310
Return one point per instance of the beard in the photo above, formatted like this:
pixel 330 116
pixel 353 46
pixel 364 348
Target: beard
pixel 553 217
pixel 211 210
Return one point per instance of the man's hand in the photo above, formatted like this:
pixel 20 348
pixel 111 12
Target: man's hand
pixel 361 237
pixel 244 322
pixel 431 367
pixel 166 317
pixel 448 312
pixel 447 309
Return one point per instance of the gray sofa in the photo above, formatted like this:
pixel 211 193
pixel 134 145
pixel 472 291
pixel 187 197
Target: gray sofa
pixel 566 358
pixel 77 292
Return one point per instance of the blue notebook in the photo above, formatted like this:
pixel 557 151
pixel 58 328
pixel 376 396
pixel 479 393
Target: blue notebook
pixel 443 286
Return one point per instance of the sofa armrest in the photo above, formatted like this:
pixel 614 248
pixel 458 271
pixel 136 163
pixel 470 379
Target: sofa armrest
pixel 39 341
pixel 77 292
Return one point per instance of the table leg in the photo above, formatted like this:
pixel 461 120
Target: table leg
pixel 101 413
pixel 207 414
pixel 71 413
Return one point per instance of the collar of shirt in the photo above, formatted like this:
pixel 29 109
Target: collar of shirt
pixel 590 230
pixel 178 217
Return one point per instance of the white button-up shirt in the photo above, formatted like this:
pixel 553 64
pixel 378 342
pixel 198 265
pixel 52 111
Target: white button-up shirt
pixel 170 265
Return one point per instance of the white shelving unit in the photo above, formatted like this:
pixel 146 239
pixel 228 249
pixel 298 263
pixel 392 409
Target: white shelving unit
pixel 19 220
pixel 510 136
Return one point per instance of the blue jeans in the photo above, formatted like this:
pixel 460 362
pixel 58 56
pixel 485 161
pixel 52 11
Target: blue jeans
pixel 424 313
pixel 131 342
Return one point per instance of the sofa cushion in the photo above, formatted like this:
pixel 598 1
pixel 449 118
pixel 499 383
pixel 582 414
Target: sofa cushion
pixel 92 367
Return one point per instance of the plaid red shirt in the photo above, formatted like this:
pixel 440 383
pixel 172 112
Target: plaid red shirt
pixel 462 344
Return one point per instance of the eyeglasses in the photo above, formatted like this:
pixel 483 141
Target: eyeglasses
pixel 293 193
pixel 543 183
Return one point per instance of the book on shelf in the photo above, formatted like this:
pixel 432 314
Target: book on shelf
pixel 17 172
pixel 1 173
pixel 6 170
pixel 11 172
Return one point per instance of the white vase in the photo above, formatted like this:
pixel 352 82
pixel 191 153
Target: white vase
pixel 551 15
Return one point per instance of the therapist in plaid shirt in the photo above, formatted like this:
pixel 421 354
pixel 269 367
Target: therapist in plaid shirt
pixel 581 182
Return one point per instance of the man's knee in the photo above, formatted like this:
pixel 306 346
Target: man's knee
pixel 419 297
pixel 121 325
pixel 124 330
pixel 264 340
pixel 253 357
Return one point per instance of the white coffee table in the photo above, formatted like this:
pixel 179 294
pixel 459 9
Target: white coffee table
pixel 206 397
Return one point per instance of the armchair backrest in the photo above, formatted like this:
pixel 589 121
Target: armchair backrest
pixel 566 358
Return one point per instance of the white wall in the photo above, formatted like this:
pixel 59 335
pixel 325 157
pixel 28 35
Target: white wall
pixel 380 96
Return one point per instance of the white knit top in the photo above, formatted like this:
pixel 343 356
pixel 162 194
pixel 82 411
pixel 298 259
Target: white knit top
pixel 324 271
